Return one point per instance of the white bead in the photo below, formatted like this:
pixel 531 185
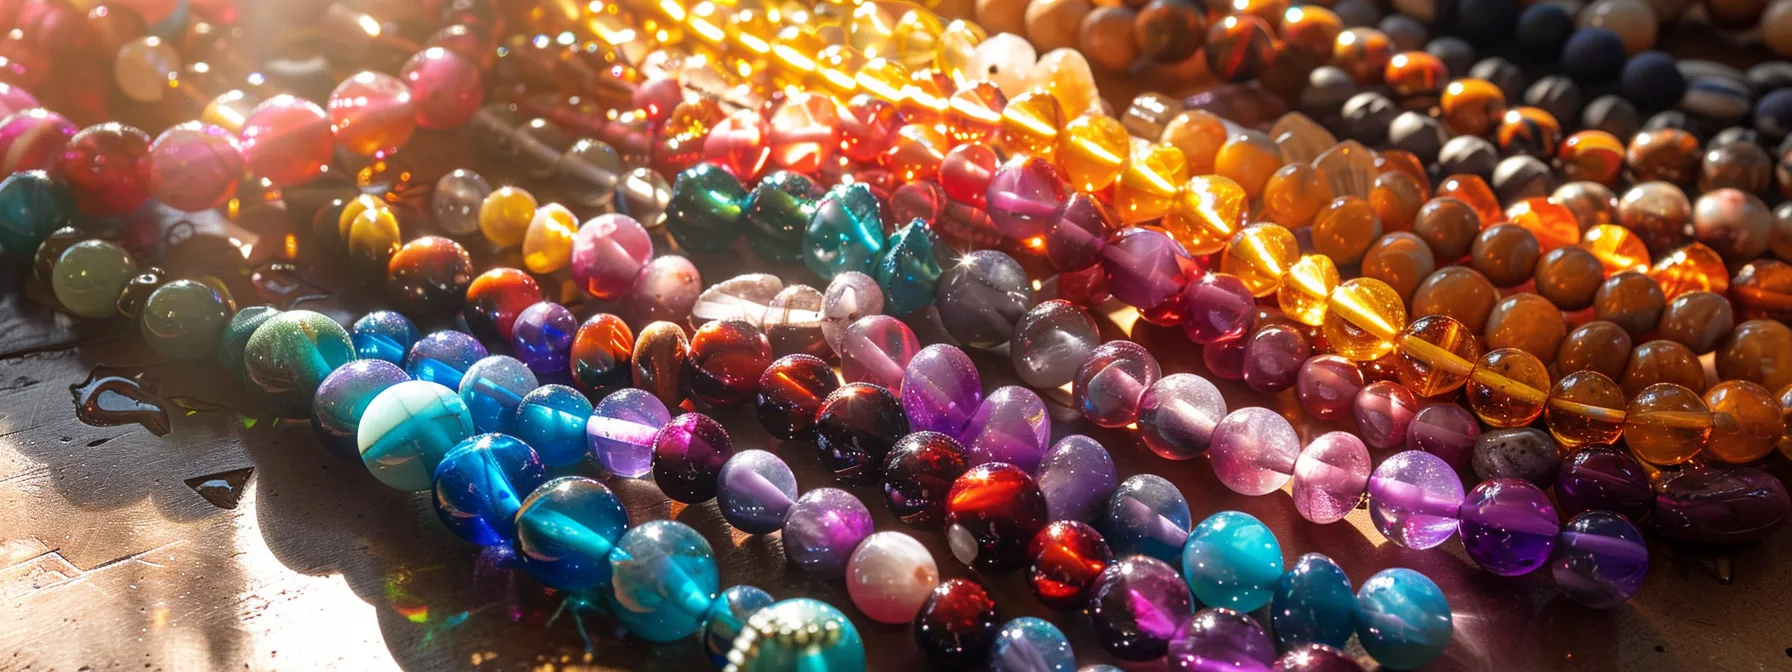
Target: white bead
pixel 1005 59
pixel 889 577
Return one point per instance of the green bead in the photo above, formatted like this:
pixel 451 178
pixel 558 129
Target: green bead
pixel 705 212
pixel 32 204
pixel 778 211
pixel 846 233
pixel 908 271
pixel 289 356
pixel 183 319
pixel 236 335
pixel 89 277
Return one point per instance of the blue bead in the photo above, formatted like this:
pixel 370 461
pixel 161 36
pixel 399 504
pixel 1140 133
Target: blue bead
pixel 383 334
pixel 754 491
pixel 493 387
pixel 727 615
pixel 1543 29
pixel 542 338
pixel 1773 114
pixel 1029 644
pixel 342 399
pixel 1232 560
pixel 782 637
pixel 663 579
pixel 1313 603
pixel 1651 82
pixel 552 419
pixel 620 431
pixel 407 430
pixel 1146 515
pixel 443 357
pixel 1486 23
pixel 908 272
pixel 566 531
pixel 1403 619
pixel 1594 56
pixel 846 233
pixel 481 484
pixel 32 204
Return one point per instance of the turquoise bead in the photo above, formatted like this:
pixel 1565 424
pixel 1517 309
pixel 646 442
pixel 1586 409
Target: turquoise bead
pixel 183 319
pixel 566 531
pixel 289 355
pixel 32 204
pixel 1029 644
pixel 1232 560
pixel 801 634
pixel 383 334
pixel 704 214
pixel 727 615
pixel 777 213
pixel 908 271
pixel 235 338
pixel 90 275
pixel 481 484
pixel 406 431
pixel 552 418
pixel 846 233
pixel 1313 603
pixel 663 579
pixel 492 388
pixel 1403 619
pixel 342 399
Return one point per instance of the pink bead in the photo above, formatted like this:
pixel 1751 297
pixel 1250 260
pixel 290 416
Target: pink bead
pixel 1225 360
pixel 1025 195
pixel 1254 451
pixel 1110 386
pixel 1327 386
pixel 738 144
pixel 14 99
pixel 372 113
pixel 1272 357
pixel 467 42
pixel 965 173
pixel 194 166
pixel 607 253
pixel 1217 307
pixel 287 140
pixel 867 128
pixel 445 87
pixel 1145 268
pixel 876 350
pixel 805 130
pixel 889 576
pixel 108 168
pixel 665 289
pixel 1076 238
pixel 1329 477
pixel 33 140
pixel 657 98
pixel 1383 411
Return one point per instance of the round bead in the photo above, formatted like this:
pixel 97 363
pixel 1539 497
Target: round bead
pixel 1383 410
pixel 917 475
pixel 1217 307
pixel 1273 356
pixel 948 390
pixel 688 453
pixel 779 637
pixel 1031 644
pixel 1747 421
pixel 659 362
pixel 728 616
pixel 1011 426
pixel 1445 430
pixel 1110 384
pixel 1254 451
pixel 1051 342
pixel 1064 560
pixel 33 139
pixel 1606 480
pixel 1177 415
pixel 567 531
pixel 1146 268
pixel 552 419
pixel 1327 386
pixel 1508 388
pixel 791 391
pixel 505 214
pixel 1363 317
pixel 1585 407
pixel 1312 603
pixel 542 338
pixel 183 320
pixel 855 428
pixel 1232 560
pixel 1403 618
pixel 235 339
pixel 599 357
pixel 445 87
pixel 1435 356
pixel 777 215
pixel 495 298
pixel 429 276
pixel 1146 515
pixel 455 201
pixel 846 232
pixel 383 335
pixel 287 140
pixel 1667 424
pixel 981 298
pixel 889 576
pixel 992 513
pixel 1598 346
pixel 1076 476
pixel 956 625
pixel 821 530
pixel 1523 453
pixel 194 166
pixel 727 359
pixel 548 242
pixel 1329 477
pixel 442 357
pixel 342 399
pixel 1600 560
pixel 288 356
pixel 1135 606
pixel 372 114
pixel 480 485
pixel 706 209
pixel 664 575
pixel 877 349
pixel 1508 526
pixel 621 430
pixel 1698 320
pixel 1413 499
pixel 32 207
pixel 90 275
pixel 407 429
pixel 492 388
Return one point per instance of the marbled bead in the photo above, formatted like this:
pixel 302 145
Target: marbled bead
pixel 877 349
pixel 790 391
pixel 1025 195
pixel 1029 644
pixel 1146 268
pixel 688 452
pixel 1077 476
pixel 754 491
pixel 1064 560
pixel 727 359
pixel 235 338
pixel 553 419
pixel 889 577
pixel 1603 479
pixel 1327 385
pixel 1220 639
pixel 1384 411
pixel 480 485
pixel 1146 515
pixel 194 166
pixel 1273 356
pixel 1110 384
pixel 384 335
pixel 1177 415
pixel 407 429
pixel 492 387
pixel 1313 603
pixel 821 530
pixel 850 296
pixel 289 355
pixel 32 206
pixel 992 513
pixel 1525 453
pixel 1136 605
pixel 705 213
pixel 1010 426
pixel 1403 618
pixel 1050 342
pixel 846 232
pixel 728 616
pixel 607 253
pixel 917 475
pixel 908 272
pixel 1445 430
pixel 855 428
pixel 599 357
pixel 443 357
pixel 982 296
pixel 659 362
pixel 941 390
pixel 286 140
pixel 183 319
pixel 1330 476
pixel 956 625
pixel 793 322
pixel 621 430
pixel 33 139
pixel 428 276
pixel 342 399
pixel 1254 450
pixel 495 298
pixel 1413 499
pixel 1600 560
pixel 664 579
pixel 90 275
pixel 567 531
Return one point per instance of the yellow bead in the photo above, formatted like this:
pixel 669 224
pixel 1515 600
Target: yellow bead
pixel 1065 74
pixel 1667 424
pixel 353 209
pixel 1031 124
pixel 1362 318
pixel 1508 388
pixel 795 51
pixel 837 67
pixel 1304 290
pixel 1250 159
pixel 505 215
pixel 547 245
pixel 956 49
pixel 1260 255
pixel 1207 211
pixel 1586 408
pixel 915 37
pixel 883 78
pixel 1092 151
pixel 373 237
pixel 1149 182
pixel 872 29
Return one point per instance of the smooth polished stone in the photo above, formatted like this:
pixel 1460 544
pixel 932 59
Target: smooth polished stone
pixel 542 338
pixel 744 297
pixel 754 490
pixel 728 357
pixel 567 530
pixel 1136 606
pixel 1077 476
pixel 1178 414
pixel 183 320
pixel 1232 560
pixel 383 334
pixel 1600 560
pixel 1029 644
pixel 1220 639
pixel 600 354
pixel 607 253
pixel 1524 453
pixel 877 349
pixel 289 355
pixel 1063 561
pixel 1721 505
pixel 791 390
pixel 480 485
pixel 728 616
pixel 992 513
pixel 1254 451
pixel 956 625
pixel 492 388
pixel 620 431
pixel 428 276
pixel 32 205
pixel 666 289
pixel 443 357
pixel 553 419
pixel 688 453
pixel 917 475
pixel 1445 430
pixel 1327 385
pixel 908 272
pixel 821 530
pixel 1050 342
pixel 982 296
pixel 941 390
pixel 342 399
pixel 705 213
pixel 1313 602
pixel 1605 480
pixel 1146 267
pixel 407 429
pixel 1413 499
pixel 793 322
pixel 659 362
pixel 1403 618
pixel 780 638
pixel 1508 526
pixel 664 578
pixel 889 576
pixel 1010 426
pixel 846 232
pixel 89 276
pixel 1109 384
pixel 1330 476
pixel 1217 307
pixel 1146 515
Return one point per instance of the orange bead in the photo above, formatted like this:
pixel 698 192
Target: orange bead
pixel 1415 73
pixel 1260 255
pixel 1199 135
pixel 1345 228
pixel 1363 52
pixel 1394 160
pixel 1666 154
pixel 1473 190
pixel 1667 424
pixel 1585 408
pixel 1436 355
pixel 1528 130
pixel 1662 361
pixel 1294 195
pixel 1592 155
pixel 1472 106
pixel 1207 211
pixel 916 152
pixel 1311 29
pixel 974 113
pixel 925 96
pixel 1508 388
pixel 1248 158
pixel 1747 421
pixel 1147 187
pixel 1362 318
pixel 1617 249
pixel 1396 199
pixel 1763 289
pixel 1553 225
pixel 1694 268
pixel 1270 11
pixel 1031 124
pixel 1304 290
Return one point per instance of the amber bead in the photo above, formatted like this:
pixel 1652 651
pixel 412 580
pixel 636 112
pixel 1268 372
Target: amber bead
pixel 1031 124
pixel 1169 31
pixel 1207 212
pixel 661 353
pixel 1667 424
pixel 1199 134
pixel 1758 351
pixel 1568 277
pixel 1295 194
pixel 1508 388
pixel 1591 202
pixel 1473 190
pixel 1458 292
pixel 1662 361
pixel 973 114
pixel 1345 228
pixel 1617 249
pixel 505 214
pixel 1598 346
pixel 1239 47
pixel 1553 225
pixel 1585 408
pixel 916 152
pixel 1415 74
pixel 1656 212
pixel 1311 29
pixel 1746 421
pixel 1631 300
pixel 1506 254
pixel 1248 158
pixel 1785 398
pixel 1527 322
pixel 1528 130
pixel 1148 184
pixel 1362 318
pixel 1472 106
pixel 1436 355
pixel 1401 161
pixel 1667 154
pixel 1260 255
pixel 1592 155
pixel 1698 320
pixel 1106 37
pixel 1304 290
pixel 1363 52
pixel 1402 260
pixel 1396 198
pixel 1737 165
pixel 1694 268
pixel 1092 150
pixel 1764 289
pixel 1449 226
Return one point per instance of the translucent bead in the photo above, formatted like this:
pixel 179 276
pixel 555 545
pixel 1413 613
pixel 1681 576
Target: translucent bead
pixel 1600 560
pixel 607 253
pixel 621 429
pixel 33 139
pixel 1077 476
pixel 1667 424
pixel 688 454
pixel 705 213
pixel 1585 408
pixel 856 428
pixel 89 276
pixel 1350 167
pixel 1146 269
pixel 1031 124
pixel 1403 618
pixel 1207 212
pixel 1327 386
pixel 728 616
pixel 945 393
pixel 1413 499
pixel 342 399
pixel 1383 410
pixel 1130 604
pixel 1363 317
pixel 1508 526
pixel 1260 255
pixel 480 485
pixel 1694 268
pixel 1028 643
pixel 505 215
pixel 1329 477
pixel 372 114
pixel 1748 421
pixel 1254 451
pixel 739 143
pixel 1093 150
pixel 846 232
pixel 492 388
pixel 805 129
pixel 456 199
pixel 1025 196
pixel 496 298
pixel 427 276
pixel 1508 388
pixel 553 420
pixel 194 166
pixel 727 359
pixel 567 530
pixel 1345 229
pixel 1232 560
pixel 1178 414
pixel 821 530
pixel 790 392
pixel 445 87
pixel 287 140
pixel 1050 342
pixel 1148 184
pixel 1312 607
pixel 664 578
pixel 1436 355
pixel 1110 384
pixel 1217 307
pixel 1294 194
pixel 992 514
pixel 1273 357
pixel 1306 287
pixel 407 430
pixel 777 215
pixel 1010 426
pixel 666 289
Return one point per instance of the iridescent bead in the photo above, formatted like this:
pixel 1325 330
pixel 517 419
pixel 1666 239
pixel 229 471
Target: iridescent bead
pixel 1232 560
pixel 944 390
pixel 908 271
pixel 1383 412
pixel 1146 515
pixel 1254 451
pixel 1313 603
pixel 877 349
pixel 779 637
pixel 542 337
pixel 664 578
pixel 445 87
pixel 846 232
pixel 688 452
pixel 495 298
pixel 480 485
pixel 599 358
pixel 443 357
pixel 429 276
pixel 659 362
pixel 194 166
pixel 342 399
pixel 1273 357
pixel 286 140
pixel 32 206
pixel 889 577
pixel 372 114
pixel 454 201
pixel 1403 618
pixel 1145 268
pixel 90 275
pixel 956 625
pixel 384 335
pixel 1327 386
pixel 183 320
pixel 407 429
pixel 855 429
pixel 621 429
pixel 1413 499
pixel 1028 644
pixel 491 388
pixel 1330 476
pixel 1136 605
pixel 552 419
pixel 728 616
pixel 1605 480
pixel 1177 415
pixel 992 513
pixel 567 531
pixel 1445 430
pixel 1064 560
pixel 1600 560
pixel 705 214
pixel 289 355
pixel 1051 342
pixel 1110 384
pixel 1220 638
pixel 982 296
pixel 821 530
pixel 1010 426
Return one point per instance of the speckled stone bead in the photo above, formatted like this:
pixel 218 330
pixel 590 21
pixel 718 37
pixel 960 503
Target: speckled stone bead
pixel 1232 560
pixel 1508 526
pixel 1136 605
pixel 1050 342
pixel 688 453
pixel 1312 603
pixel 1524 453
pixel 1254 451
pixel 492 387
pixel 1110 384
pixel 235 338
pixel 664 578
pixel 1413 499
pixel 342 399
pixel 821 530
pixel 855 429
pixel 1600 560
pixel 480 485
pixel 407 429
pixel 1010 426
pixel 1146 515
pixel 1330 476
pixel 443 357
pixel 1403 618
pixel 621 429
pixel 383 334
pixel 289 355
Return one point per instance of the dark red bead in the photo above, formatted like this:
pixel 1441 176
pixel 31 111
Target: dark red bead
pixel 107 166
pixel 429 277
pixel 924 200
pixel 495 298
pixel 1065 558
pixel 601 350
pixel 791 391
pixel 855 428
pixel 918 473
pixel 727 358
pixel 956 625
pixel 992 513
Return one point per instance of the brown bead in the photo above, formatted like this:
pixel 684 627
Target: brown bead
pixel 1449 226
pixel 1763 288
pixel 1747 421
pixel 1758 351
pixel 1734 223
pixel 1738 165
pixel 1598 346
pixel 1591 202
pixel 1657 212
pixel 1667 154
pixel 1568 277
pixel 1396 198
pixel 1053 24
pixel 1505 253
pixel 1698 320
pixel 1662 362
pixel 1632 300
pixel 1402 260
pixel 1782 231
pixel 1106 38
pixel 1528 130
pixel 659 361
pixel 1344 229
pixel 1527 322
pixel 1459 292
pixel 1002 16
pixel 1169 31
pixel 1310 29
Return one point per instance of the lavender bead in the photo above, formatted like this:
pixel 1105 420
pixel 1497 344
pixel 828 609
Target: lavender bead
pixel 1520 452
pixel 1413 499
pixel 665 289
pixel 1445 430
pixel 941 390
pixel 1383 411
pixel 1225 360
pixel 1720 505
pixel 1508 526
pixel 542 338
pixel 1221 640
pixel 1025 194
pixel 982 296
pixel 822 529
pixel 1051 341
pixel 688 454
pixel 1329 477
pixel 754 491
pixel 1011 426
pixel 443 357
pixel 1146 515
pixel 850 297
pixel 1273 356
pixel 1327 385
pixel 1600 560
pixel 876 350
pixel 1075 239
pixel 1178 414
pixel 1254 450
pixel 1217 307
pixel 1146 268
pixel 1109 385
pixel 1136 606
pixel 621 430
pixel 1604 480
pixel 1077 476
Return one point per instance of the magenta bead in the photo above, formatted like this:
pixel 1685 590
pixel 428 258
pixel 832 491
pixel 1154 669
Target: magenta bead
pixel 1078 235
pixel 1445 430
pixel 607 253
pixel 194 166
pixel 1136 606
pixel 1327 386
pixel 372 113
pixel 1273 356
pixel 1383 411
pixel 287 140
pixel 1111 382
pixel 107 167
pixel 1025 195
pixel 665 289
pixel 1177 415
pixel 877 350
pixel 1508 526
pixel 1011 426
pixel 1217 307
pixel 1254 451
pixel 1329 477
pixel 445 87
pixel 688 454
pixel 1413 499
pixel 1221 639
pixel 1225 360
pixel 33 140
pixel 942 390
pixel 14 99
pixel 1146 268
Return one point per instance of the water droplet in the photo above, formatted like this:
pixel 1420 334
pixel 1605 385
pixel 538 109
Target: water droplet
pixel 222 489
pixel 107 398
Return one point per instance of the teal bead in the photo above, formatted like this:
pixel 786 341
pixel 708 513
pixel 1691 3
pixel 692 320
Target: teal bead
pixel 800 634
pixel 1313 603
pixel 908 272
pixel 1232 560
pixel 1029 644
pixel 727 615
pixel 289 355
pixel 704 214
pixel 406 431
pixel 183 319
pixel 89 277
pixel 1403 619
pixel 383 334
pixel 778 212
pixel 552 419
pixel 236 335
pixel 492 388
pixel 567 530
pixel 662 579
pixel 32 205
pixel 846 233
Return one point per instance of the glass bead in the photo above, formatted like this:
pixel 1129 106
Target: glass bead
pixel 568 532
pixel 743 297
pixel 1403 618
pixel 856 426
pixel 793 322
pixel 1301 140
pixel 1747 421
pixel 777 214
pixel 1249 159
pixel 966 173
pixel 918 473
pixel 590 173
pixel 183 320
pixel 496 298
pixel 90 275
pixel 1662 362
pixel 621 430
pixel 194 166
pixel 1065 74
pixel 946 390
pixel 384 335
pixel 707 208
pixel 1273 357
pixel 288 356
pixel 1064 560
pixel 1413 499
pixel 1110 384
pixel 1302 295
pixel 1667 424
pixel 850 296
pixel 1146 269
pixel 790 392
pixel 430 276
pixel 492 388
pixel 644 195
pixel 1312 603
pixel 137 290
pixel 1656 212
pixel 1149 181
pixel 1177 416
pixel 1025 196
pixel 505 214
pixel 992 513
pixel 1093 150
pixel 1220 638
pixel 1327 385
pixel 956 626
pixel 1383 411
pixel 740 143
pixel 1603 479
pixel 981 297
pixel 652 602
pixel 599 354
pixel 1472 106
pixel 1719 505
pixel 1239 47
pixel 666 289
pixel 445 87
pixel 1600 560
pixel 1763 289
pixel 443 357
pixel 1232 560
pixel 1217 307
pixel 342 399
pixel 1524 453
pixel 1758 351
pixel 1254 451
pixel 286 140
pixel 455 200
pixel 33 139
pixel 1051 342
pixel 1136 605
pixel 688 453
pixel 821 530
pixel 542 337
pixel 372 113
pixel 1146 515
pixel 548 242
pixel 1363 317
pixel 1617 249
pixel 480 485
pixel 1076 475
pixel 1028 643
pixel 1312 657
pixel 108 168
pixel 1473 190
pixel 909 272
pixel 1031 124
pixel 1350 167
pixel 407 429
pixel 553 419
pixel 1329 477
pixel 1207 211
pixel 1585 408
pixel 1508 388
pixel 876 349
pixel 726 361
pixel 728 616
pixel 1436 355
pixel 32 207
pixel 1508 526
pixel 780 638
pixel 915 153
pixel 805 129
pixel 1362 52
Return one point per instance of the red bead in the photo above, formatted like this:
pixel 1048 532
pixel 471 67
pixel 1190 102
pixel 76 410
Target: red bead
pixel 924 200
pixel 494 300
pixel 791 391
pixel 805 132
pixel 33 139
pixel 965 174
pixel 727 358
pixel 956 625
pixel 738 144
pixel 867 128
pixel 992 514
pixel 600 354
pixel 919 473
pixel 108 168
pixel 1065 558
pixel 287 140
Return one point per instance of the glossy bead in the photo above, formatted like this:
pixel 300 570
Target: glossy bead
pixel 707 207
pixel 947 390
pixel 1472 106
pixel 1010 426
pixel 1136 605
pixel 1232 560
pixel 1720 505
pixel 1327 386
pixel 956 625
pixel 1585 407
pixel 445 87
pixel 1177 416
pixel 1217 307
pixel 621 430
pixel 443 357
pixel 726 362
pixel 1239 48
pixel 505 214
pixel 455 200
pixel 1413 499
pixel 889 576
pixel 1329 477
pixel 383 335
pixel 496 298
pixel 1364 315
pixel 1508 526
pixel 855 428
pixel 33 139
pixel 89 276
pixel 194 166
pixel 992 513
pixel 1506 254
pixel 1526 322
pixel 372 113
pixel 1029 643
pixel 1662 362
pixel 286 140
pixel 659 362
pixel 33 206
pixel 1064 560
pixel 553 419
pixel 1273 357
pixel 235 338
pixel 1603 479
pixel 183 319
pixel 688 453
pixel 728 615
pixel 780 638
pixel 429 276
pixel 664 578
pixel 1305 288
pixel 491 388
pixel 805 131
pixel 1383 410
pixel 542 337
pixel 1508 388
pixel 568 529
pixel 1600 560
pixel 1311 657
pixel 288 356
pixel 667 288
pixel 1220 638
pixel 1761 289
pixel 480 485
pixel 407 429
pixel 876 349
pixel 1667 424
pixel 790 391
pixel 1207 211
pixel 1149 182
pixel 777 214
pixel 1435 355
pixel 1598 346
pixel 1110 384
pixel 1254 451
pixel 1403 618
pixel 1146 515
pixel 1445 430
pixel 1146 268
pixel 1313 603
pixel 1076 476
pixel 342 399
pixel 1699 321
pixel 908 272
pixel 1050 342
pixel 821 530
pixel 548 242
pixel 599 356
pixel 1747 421
pixel 1758 351
pixel 982 296
pixel 1295 194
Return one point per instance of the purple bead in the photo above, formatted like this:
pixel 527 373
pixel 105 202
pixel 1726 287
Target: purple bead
pixel 621 431
pixel 1508 526
pixel 1147 515
pixel 1050 341
pixel 542 337
pixel 1327 386
pixel 1145 268
pixel 1600 560
pixel 1329 477
pixel 1221 640
pixel 941 390
pixel 607 253
pixel 1077 475
pixel 688 454
pixel 1225 360
pixel 1413 499
pixel 344 395
pixel 754 491
pixel 855 428
pixel 1136 606
pixel 665 289
pixel 1178 414
pixel 1075 239
pixel 1217 307
pixel 1720 505
pixel 1313 657
pixel 877 350
pixel 1010 426
pixel 822 529
pixel 1604 480
pixel 443 357
pixel 1445 430
pixel 1383 411
pixel 1109 385
pixel 1273 356
pixel 918 473
pixel 1025 195
pixel 1254 450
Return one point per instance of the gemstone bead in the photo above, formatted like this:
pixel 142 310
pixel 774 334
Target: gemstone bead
pixel 288 356
pixel 454 202
pixel 480 485
pixel 492 388
pixel 383 335
pixel 943 390
pixel 443 357
pixel 728 616
pixel 1136 605
pixel 793 322
pixel 1600 560
pixel 1524 453
pixel 1311 657
pixel 705 214
pixel 1667 424
pixel 790 392
pixel 183 320
pixel 1232 560
pixel 992 513
pixel 1383 412
pixel 726 362
pixel 821 530
pixel 1064 560
pixel 846 232
pixel 372 113
pixel 1051 342
pixel 1508 526
pixel 1025 196
pixel 429 276
pixel 194 166
pixel 235 339
pixel 1363 317
pixel 1145 268
pixel 1330 476
pixel 621 430
pixel 877 349
pixel 1445 430
pixel 1606 480
pixel 90 275
pixel 286 140
pixel 956 626
pixel 688 453
pixel 567 531
pixel 32 205
pixel 777 214
pixel 552 419
pixel 1327 385
pixel 1146 515
pixel 1178 414
pixel 1110 384
pixel 1720 505
pixel 855 429
pixel 342 399
pixel 982 296
pixel 780 638
pixel 664 578
pixel 1508 388
pixel 889 577
pixel 1403 618
pixel 1220 638
pixel 1273 357
pixel 600 352
pixel 754 491
pixel 1413 499
pixel 1312 603
pixel 1217 307
pixel 1254 450
pixel 659 362
pixel 1010 426
pixel 908 272
pixel 496 298
pixel 407 429
pixel 1077 476
pixel 917 475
